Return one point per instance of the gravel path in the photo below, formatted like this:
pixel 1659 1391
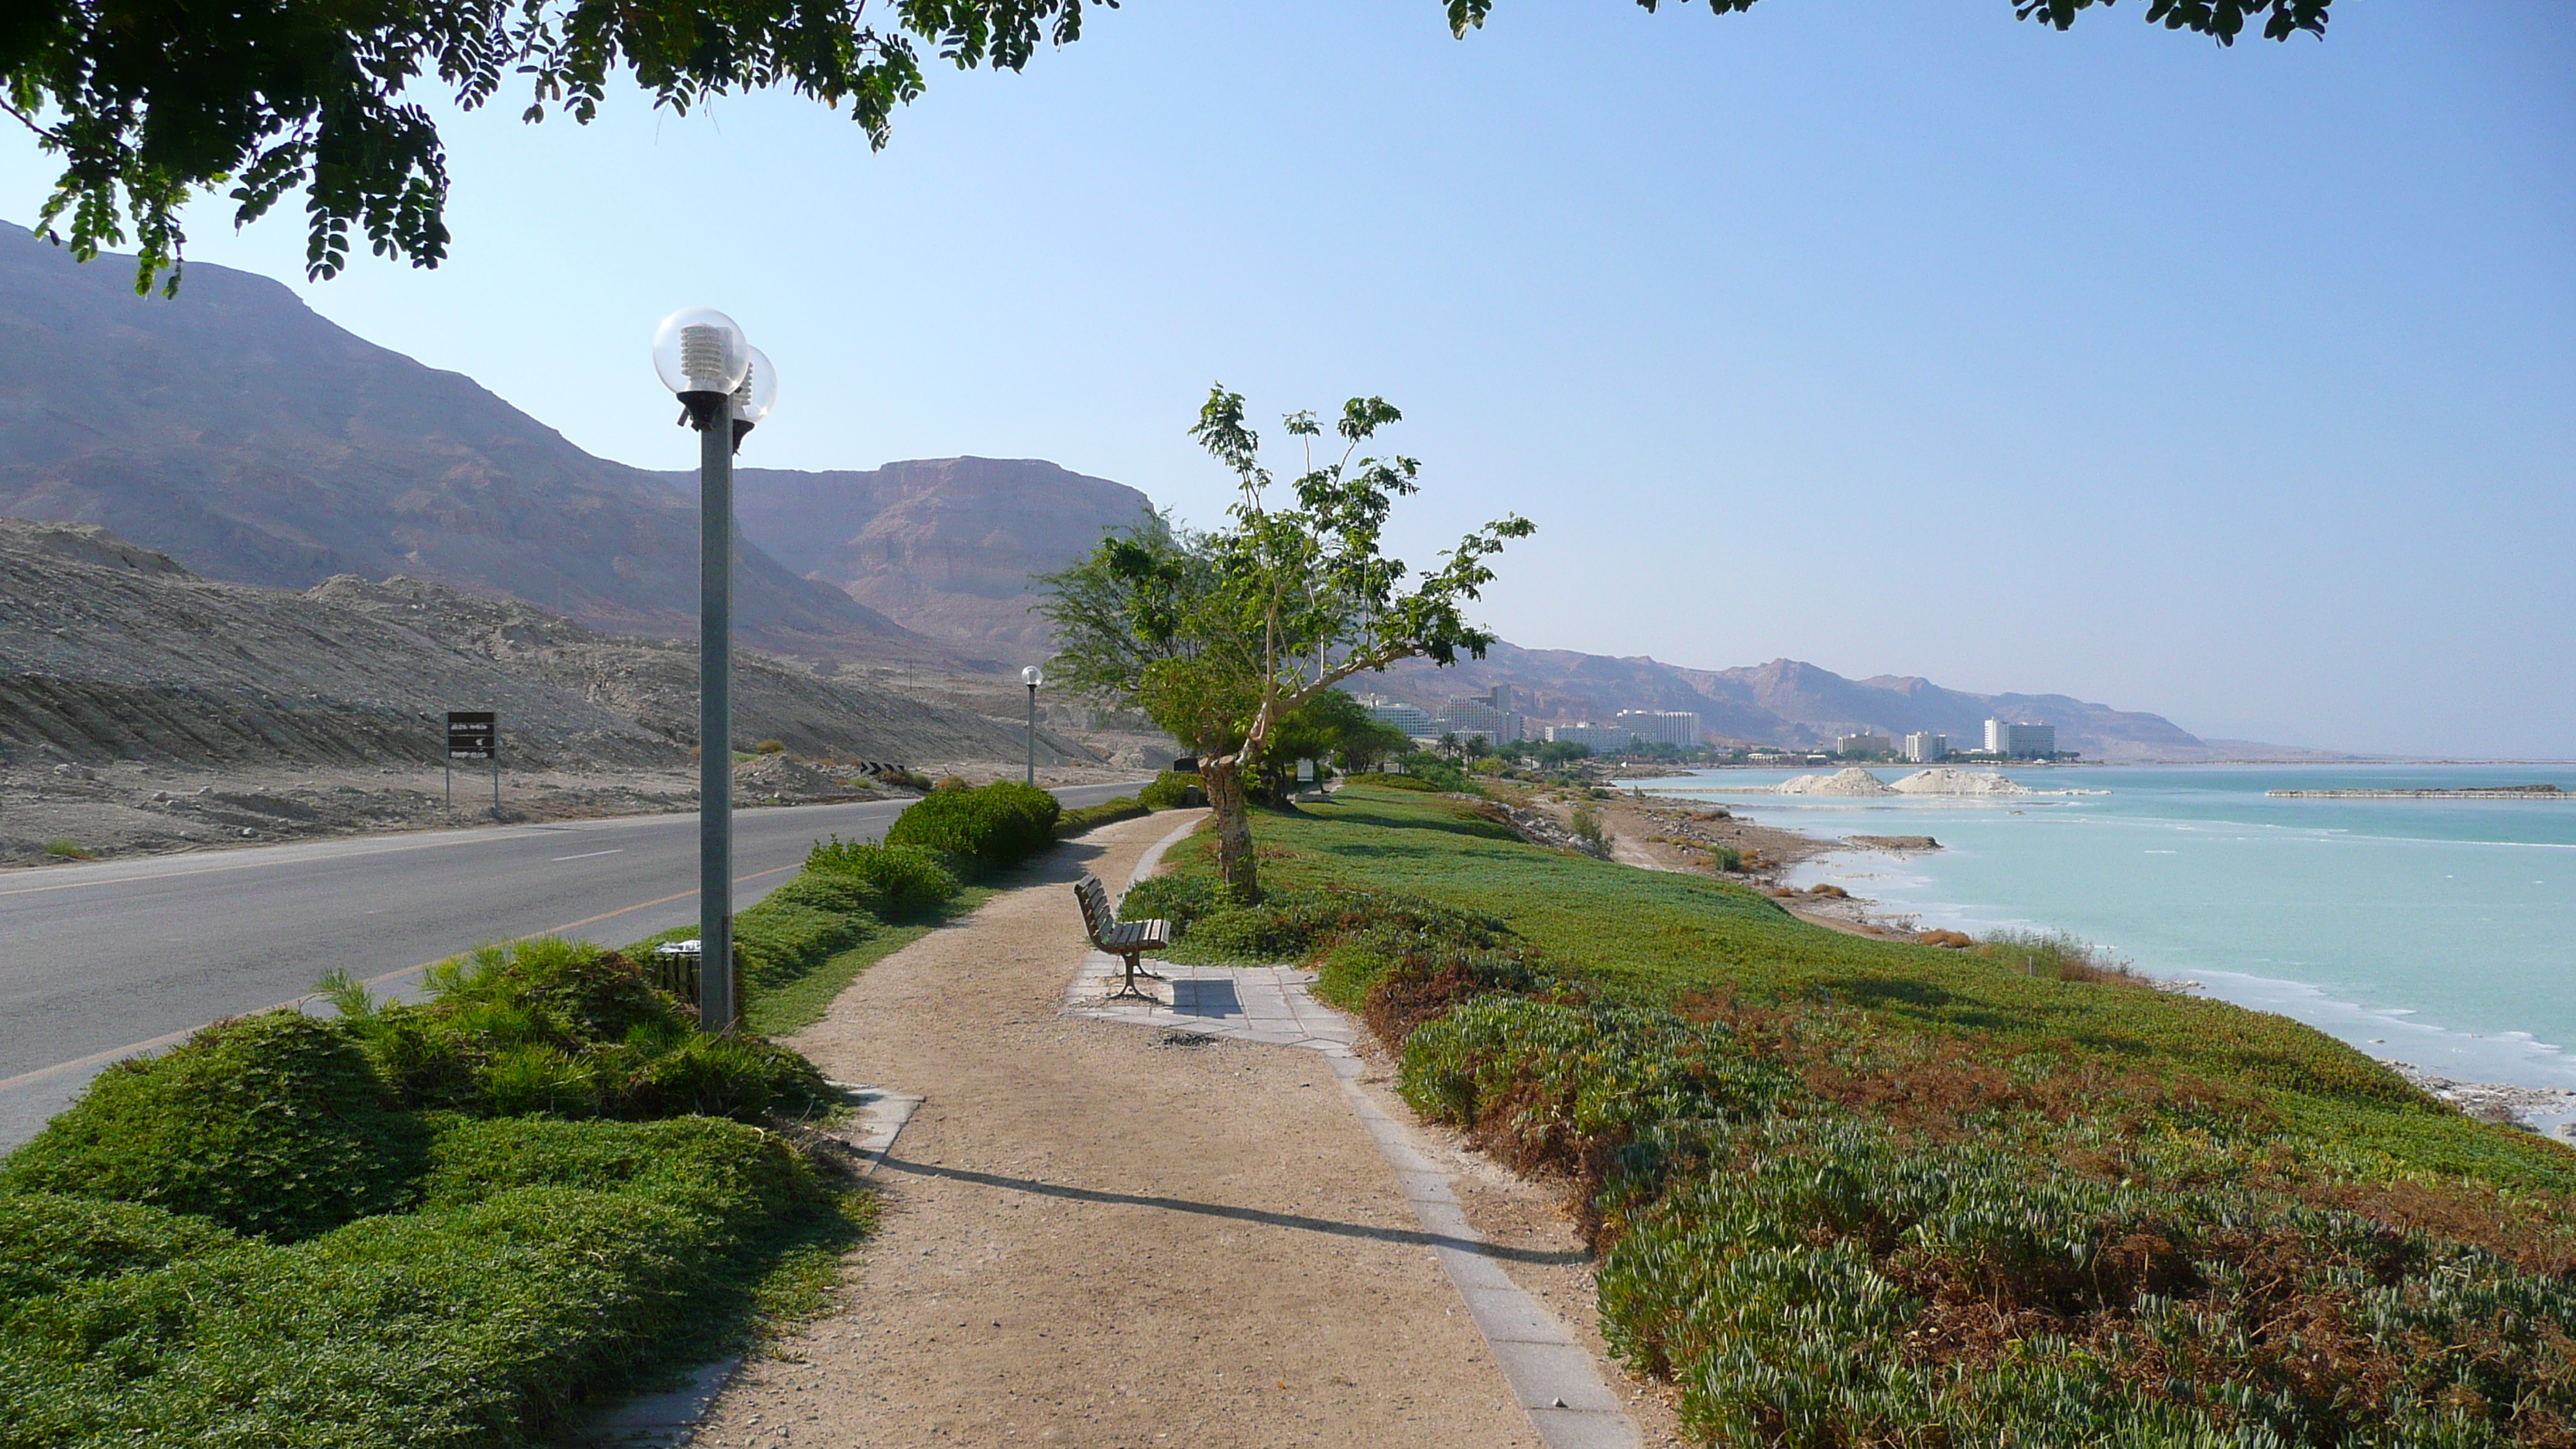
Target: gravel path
pixel 1095 1237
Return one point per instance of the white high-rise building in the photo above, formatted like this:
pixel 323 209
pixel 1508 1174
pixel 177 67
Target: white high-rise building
pixel 2020 741
pixel 1662 726
pixel 1489 714
pixel 1923 749
pixel 1599 738
pixel 1864 744
pixel 1416 722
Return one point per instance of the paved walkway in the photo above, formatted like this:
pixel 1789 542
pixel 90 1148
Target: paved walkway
pixel 1553 1376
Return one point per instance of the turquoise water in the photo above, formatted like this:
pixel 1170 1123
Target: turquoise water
pixel 2441 933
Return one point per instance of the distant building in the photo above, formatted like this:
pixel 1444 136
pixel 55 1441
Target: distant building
pixel 1923 749
pixel 1489 714
pixel 1413 720
pixel 1662 726
pixel 1864 745
pixel 2020 741
pixel 1601 739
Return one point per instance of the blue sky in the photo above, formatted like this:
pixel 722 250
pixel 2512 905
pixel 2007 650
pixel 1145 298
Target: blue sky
pixel 2239 385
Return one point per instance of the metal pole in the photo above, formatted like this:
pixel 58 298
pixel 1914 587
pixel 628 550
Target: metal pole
pixel 1033 734
pixel 716 1006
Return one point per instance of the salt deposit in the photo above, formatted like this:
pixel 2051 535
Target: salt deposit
pixel 1851 780
pixel 1946 781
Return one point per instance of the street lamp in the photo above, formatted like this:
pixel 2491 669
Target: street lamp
pixel 1033 677
pixel 725 386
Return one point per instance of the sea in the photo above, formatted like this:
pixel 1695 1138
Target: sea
pixel 2438 933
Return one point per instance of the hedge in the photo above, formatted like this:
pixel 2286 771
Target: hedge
pixel 1075 822
pixel 1172 790
pixel 993 827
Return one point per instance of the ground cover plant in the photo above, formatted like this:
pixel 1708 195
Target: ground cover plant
pixel 1849 1191
pixel 436 1223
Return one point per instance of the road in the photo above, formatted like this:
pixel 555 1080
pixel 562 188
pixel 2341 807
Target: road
pixel 102 961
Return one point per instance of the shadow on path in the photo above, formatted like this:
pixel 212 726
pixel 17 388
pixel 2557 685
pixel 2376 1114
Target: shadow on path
pixel 1408 1236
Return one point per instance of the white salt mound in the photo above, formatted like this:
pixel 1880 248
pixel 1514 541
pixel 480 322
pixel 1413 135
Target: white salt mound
pixel 1851 780
pixel 1946 781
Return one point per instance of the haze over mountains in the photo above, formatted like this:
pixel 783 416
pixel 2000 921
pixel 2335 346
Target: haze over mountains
pixel 256 442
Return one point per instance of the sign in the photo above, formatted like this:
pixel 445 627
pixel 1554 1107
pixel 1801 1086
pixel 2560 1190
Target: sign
pixel 472 735
pixel 1305 772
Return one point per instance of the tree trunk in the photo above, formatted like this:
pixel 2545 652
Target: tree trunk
pixel 1234 864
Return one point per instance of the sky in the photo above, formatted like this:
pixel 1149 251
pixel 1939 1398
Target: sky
pixel 2238 385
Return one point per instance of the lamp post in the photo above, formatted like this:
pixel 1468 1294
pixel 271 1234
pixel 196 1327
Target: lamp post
pixel 1033 677
pixel 725 386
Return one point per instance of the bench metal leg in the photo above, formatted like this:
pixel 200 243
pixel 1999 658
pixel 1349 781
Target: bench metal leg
pixel 1128 991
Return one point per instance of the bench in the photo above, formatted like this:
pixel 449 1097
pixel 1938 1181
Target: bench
pixel 1125 940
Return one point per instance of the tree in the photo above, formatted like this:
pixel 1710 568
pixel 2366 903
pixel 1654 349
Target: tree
pixel 1221 636
pixel 151 103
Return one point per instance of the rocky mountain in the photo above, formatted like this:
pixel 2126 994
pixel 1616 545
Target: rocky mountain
pixel 239 432
pixel 947 546
pixel 110 651
pixel 1788 702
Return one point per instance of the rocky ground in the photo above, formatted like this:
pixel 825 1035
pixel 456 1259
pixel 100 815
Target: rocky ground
pixel 55 813
pixel 144 709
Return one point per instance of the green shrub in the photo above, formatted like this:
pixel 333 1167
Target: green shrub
pixel 277 1125
pixel 69 849
pixel 1172 790
pixel 1107 812
pixel 903 882
pixel 1808 1277
pixel 739 1175
pixel 50 1241
pixel 504 1267
pixel 562 1027
pixel 994 826
pixel 469 1326
pixel 1397 782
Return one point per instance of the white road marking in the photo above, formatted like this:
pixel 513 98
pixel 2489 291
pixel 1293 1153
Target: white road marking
pixel 587 854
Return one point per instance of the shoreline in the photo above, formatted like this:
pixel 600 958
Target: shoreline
pixel 2468 1081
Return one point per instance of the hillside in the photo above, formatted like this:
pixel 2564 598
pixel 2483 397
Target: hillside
pixel 242 434
pixel 944 545
pixel 110 651
pixel 1787 702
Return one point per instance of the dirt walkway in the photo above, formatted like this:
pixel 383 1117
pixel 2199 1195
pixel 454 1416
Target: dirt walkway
pixel 1096 1237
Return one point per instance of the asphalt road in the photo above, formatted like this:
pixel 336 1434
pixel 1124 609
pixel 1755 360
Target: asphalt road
pixel 99 962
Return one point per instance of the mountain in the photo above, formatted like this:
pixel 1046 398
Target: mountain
pixel 1788 702
pixel 109 651
pixel 239 432
pixel 945 545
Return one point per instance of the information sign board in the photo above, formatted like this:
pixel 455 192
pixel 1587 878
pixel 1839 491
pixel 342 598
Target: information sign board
pixel 472 735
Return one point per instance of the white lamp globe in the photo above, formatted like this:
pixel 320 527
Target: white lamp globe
pixel 699 349
pixel 759 390
pixel 1032 676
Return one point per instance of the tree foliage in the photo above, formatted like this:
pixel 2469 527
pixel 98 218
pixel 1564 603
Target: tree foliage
pixel 150 103
pixel 1222 637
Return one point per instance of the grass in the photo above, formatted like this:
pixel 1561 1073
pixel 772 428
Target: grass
pixel 1849 1191
pixel 69 849
pixel 792 1006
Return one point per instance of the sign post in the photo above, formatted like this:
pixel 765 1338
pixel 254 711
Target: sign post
pixel 473 735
